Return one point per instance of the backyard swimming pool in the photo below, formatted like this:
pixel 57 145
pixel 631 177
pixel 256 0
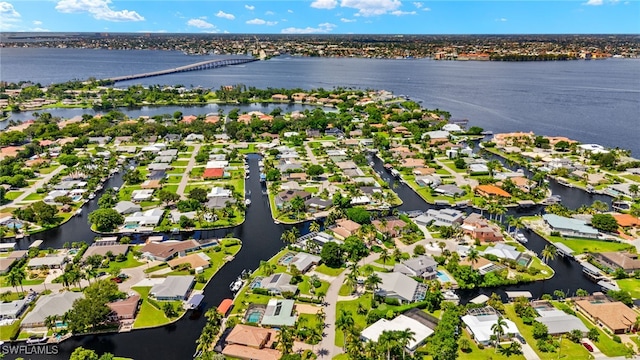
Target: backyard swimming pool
pixel 443 277
pixel 286 259
pixel 254 316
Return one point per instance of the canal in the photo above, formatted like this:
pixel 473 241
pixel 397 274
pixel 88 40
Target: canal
pixel 261 240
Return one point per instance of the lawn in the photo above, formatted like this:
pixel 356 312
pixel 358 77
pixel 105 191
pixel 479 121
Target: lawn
pixel 630 285
pixel 12 195
pixel 25 282
pixel 173 179
pixel 486 353
pixel 9 331
pixel 324 269
pixel 149 315
pixel 305 287
pixel 130 262
pixel 180 163
pixel 33 196
pixel 344 290
pixel 245 298
pixel 360 321
pixel 592 246
pixel 568 350
pixel 171 188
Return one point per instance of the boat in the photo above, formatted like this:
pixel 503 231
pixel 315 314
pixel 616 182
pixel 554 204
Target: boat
pixel 450 295
pixel 79 212
pixel 621 206
pixel 247 202
pixel 115 188
pixel 607 285
pixel 395 173
pixel 36 340
pixel 487 132
pixel 521 238
pixel 92 196
pixel 371 164
pixel 236 285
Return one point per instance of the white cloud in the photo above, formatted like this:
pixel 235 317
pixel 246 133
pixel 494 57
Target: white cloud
pixel 593 3
pixel 257 21
pixel 502 19
pixel 99 9
pixel 269 13
pixel 249 7
pixel 7 11
pixel 37 22
pixel 200 24
pixel 324 4
pixel 290 11
pixel 322 29
pixel 153 31
pixel 39 29
pixel 224 15
pixel 418 4
pixel 345 20
pixel 372 7
pixel 401 13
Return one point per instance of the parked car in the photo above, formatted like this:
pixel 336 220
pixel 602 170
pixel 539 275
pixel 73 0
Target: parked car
pixel 521 339
pixel 117 280
pixel 587 346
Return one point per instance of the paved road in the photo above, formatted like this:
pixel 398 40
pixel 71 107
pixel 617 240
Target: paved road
pixel 33 188
pixel 187 171
pixel 460 179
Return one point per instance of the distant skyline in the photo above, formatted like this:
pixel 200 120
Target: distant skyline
pixel 324 16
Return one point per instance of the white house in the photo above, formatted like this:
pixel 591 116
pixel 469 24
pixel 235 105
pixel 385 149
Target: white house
pixel 141 195
pixel 400 323
pixel 219 192
pixel 150 217
pixel 479 322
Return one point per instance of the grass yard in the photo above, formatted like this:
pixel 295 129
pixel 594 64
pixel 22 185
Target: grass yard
pixel 12 195
pixel 324 269
pixel 172 188
pixel 305 287
pixel 360 321
pixel 605 343
pixel 481 354
pixel 568 350
pixel 148 315
pixel 581 246
pixel 344 290
pixel 180 163
pixel 630 285
pixel 130 262
pixel 173 179
pixel 33 197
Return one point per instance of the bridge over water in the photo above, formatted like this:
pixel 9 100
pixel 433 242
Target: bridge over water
pixel 209 64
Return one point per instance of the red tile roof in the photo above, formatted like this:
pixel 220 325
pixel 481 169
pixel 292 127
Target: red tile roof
pixel 213 173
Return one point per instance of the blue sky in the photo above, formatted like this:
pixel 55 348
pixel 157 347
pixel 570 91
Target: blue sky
pixel 324 16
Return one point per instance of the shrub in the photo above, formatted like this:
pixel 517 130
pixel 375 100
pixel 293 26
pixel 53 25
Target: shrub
pixel 555 233
pixel 260 291
pixel 391 301
pixel 288 294
pixel 616 338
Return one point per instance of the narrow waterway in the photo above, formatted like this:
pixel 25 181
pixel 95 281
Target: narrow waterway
pixel 261 240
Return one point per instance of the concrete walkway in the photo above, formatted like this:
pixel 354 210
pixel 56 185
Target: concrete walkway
pixel 34 187
pixel 187 170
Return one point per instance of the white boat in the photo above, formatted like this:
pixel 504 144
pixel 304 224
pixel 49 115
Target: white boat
pixel 37 340
pixel 450 295
pixel 115 188
pixel 521 238
pixel 92 196
pixel 247 202
pixel 236 285
pixel 79 212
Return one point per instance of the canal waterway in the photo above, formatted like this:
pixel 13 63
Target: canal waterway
pixel 261 240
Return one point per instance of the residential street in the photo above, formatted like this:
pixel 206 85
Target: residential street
pixel 34 187
pixel 187 171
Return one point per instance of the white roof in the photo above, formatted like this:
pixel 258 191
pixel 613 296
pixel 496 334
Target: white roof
pixel 559 322
pixel 54 304
pixel 480 326
pixel 55 260
pixel 400 323
pixel 173 286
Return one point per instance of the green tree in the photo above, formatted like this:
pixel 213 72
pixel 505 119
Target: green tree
pixel 81 353
pixel 593 334
pixel 198 194
pixel 498 330
pixel 167 196
pixel 315 170
pixel 44 213
pixel 266 268
pixel 107 201
pixel 344 323
pixel 604 222
pixel 548 253
pixel 359 215
pixel 331 255
pixel 314 227
pixel 106 219
pixel 133 177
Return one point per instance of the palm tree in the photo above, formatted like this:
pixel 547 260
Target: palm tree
pixel 499 211
pixel 314 227
pixel 344 322
pixel 387 341
pixel 498 330
pixel 510 220
pixel 13 279
pixel 288 237
pixel 548 253
pixel 266 268
pixel 285 340
pixel 20 275
pixel 404 338
pixel 91 273
pixel 50 322
pixel 372 282
pixel 384 256
pixel 320 316
pixel 634 189
pixel 314 338
pixel 473 256
pixel 351 281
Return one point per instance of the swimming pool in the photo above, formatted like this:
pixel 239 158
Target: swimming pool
pixel 256 283
pixel 254 316
pixel 443 277
pixel 77 198
pixel 286 259
pixel 131 226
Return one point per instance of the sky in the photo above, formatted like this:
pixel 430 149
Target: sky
pixel 324 16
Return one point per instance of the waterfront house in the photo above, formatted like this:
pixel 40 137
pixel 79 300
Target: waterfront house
pixel 251 343
pixel 166 250
pixel 125 309
pixel 449 190
pixel 399 286
pixel 142 195
pixel 278 283
pixel 479 228
pixel 219 202
pixel 391 226
pixel 422 266
pixel 345 228
pixel 490 191
pixel 173 288
pixel 400 323
pixel 279 312
pixel 49 305
pixel 195 260
pixel 52 261
pixel 102 250
pixel 286 196
pixel 148 218
pixel 303 261
pixel 626 261
pixel 442 217
pixel 613 315
pixel 557 321
pixel 315 204
pixel 570 226
pixel 508 252
pixel 480 322
pixel 432 180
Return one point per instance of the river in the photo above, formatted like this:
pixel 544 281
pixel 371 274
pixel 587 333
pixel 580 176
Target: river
pixel 590 101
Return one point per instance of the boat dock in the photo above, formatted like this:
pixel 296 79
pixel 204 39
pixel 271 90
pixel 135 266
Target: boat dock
pixel 563 250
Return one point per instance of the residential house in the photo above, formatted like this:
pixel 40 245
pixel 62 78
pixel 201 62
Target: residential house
pixel 449 190
pixel 613 315
pixel 345 228
pixel 219 202
pixel 13 309
pixel 421 171
pixel 219 192
pixel 480 323
pixel 149 218
pixel 412 163
pixel 279 312
pixel 400 323
pixel 142 195
pixel 125 309
pixel 399 286
pixel 442 217
pixel 173 288
pixel 433 181
pixel 508 252
pixel 423 266
pixel 303 261
pixel 290 185
pixel 479 228
pixel 195 260
pixel 213 173
pixel 570 226
pixel 7 261
pixel 557 321
pixel 251 343
pixel 390 226
pixel 166 250
pixel 626 261
pixel 315 204
pixel 127 207
pixel 278 283
pixel 53 261
pixel 490 191
pixel 194 137
pixel 288 195
pixel 49 305
pixel 99 249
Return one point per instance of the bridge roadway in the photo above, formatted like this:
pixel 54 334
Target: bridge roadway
pixel 209 64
